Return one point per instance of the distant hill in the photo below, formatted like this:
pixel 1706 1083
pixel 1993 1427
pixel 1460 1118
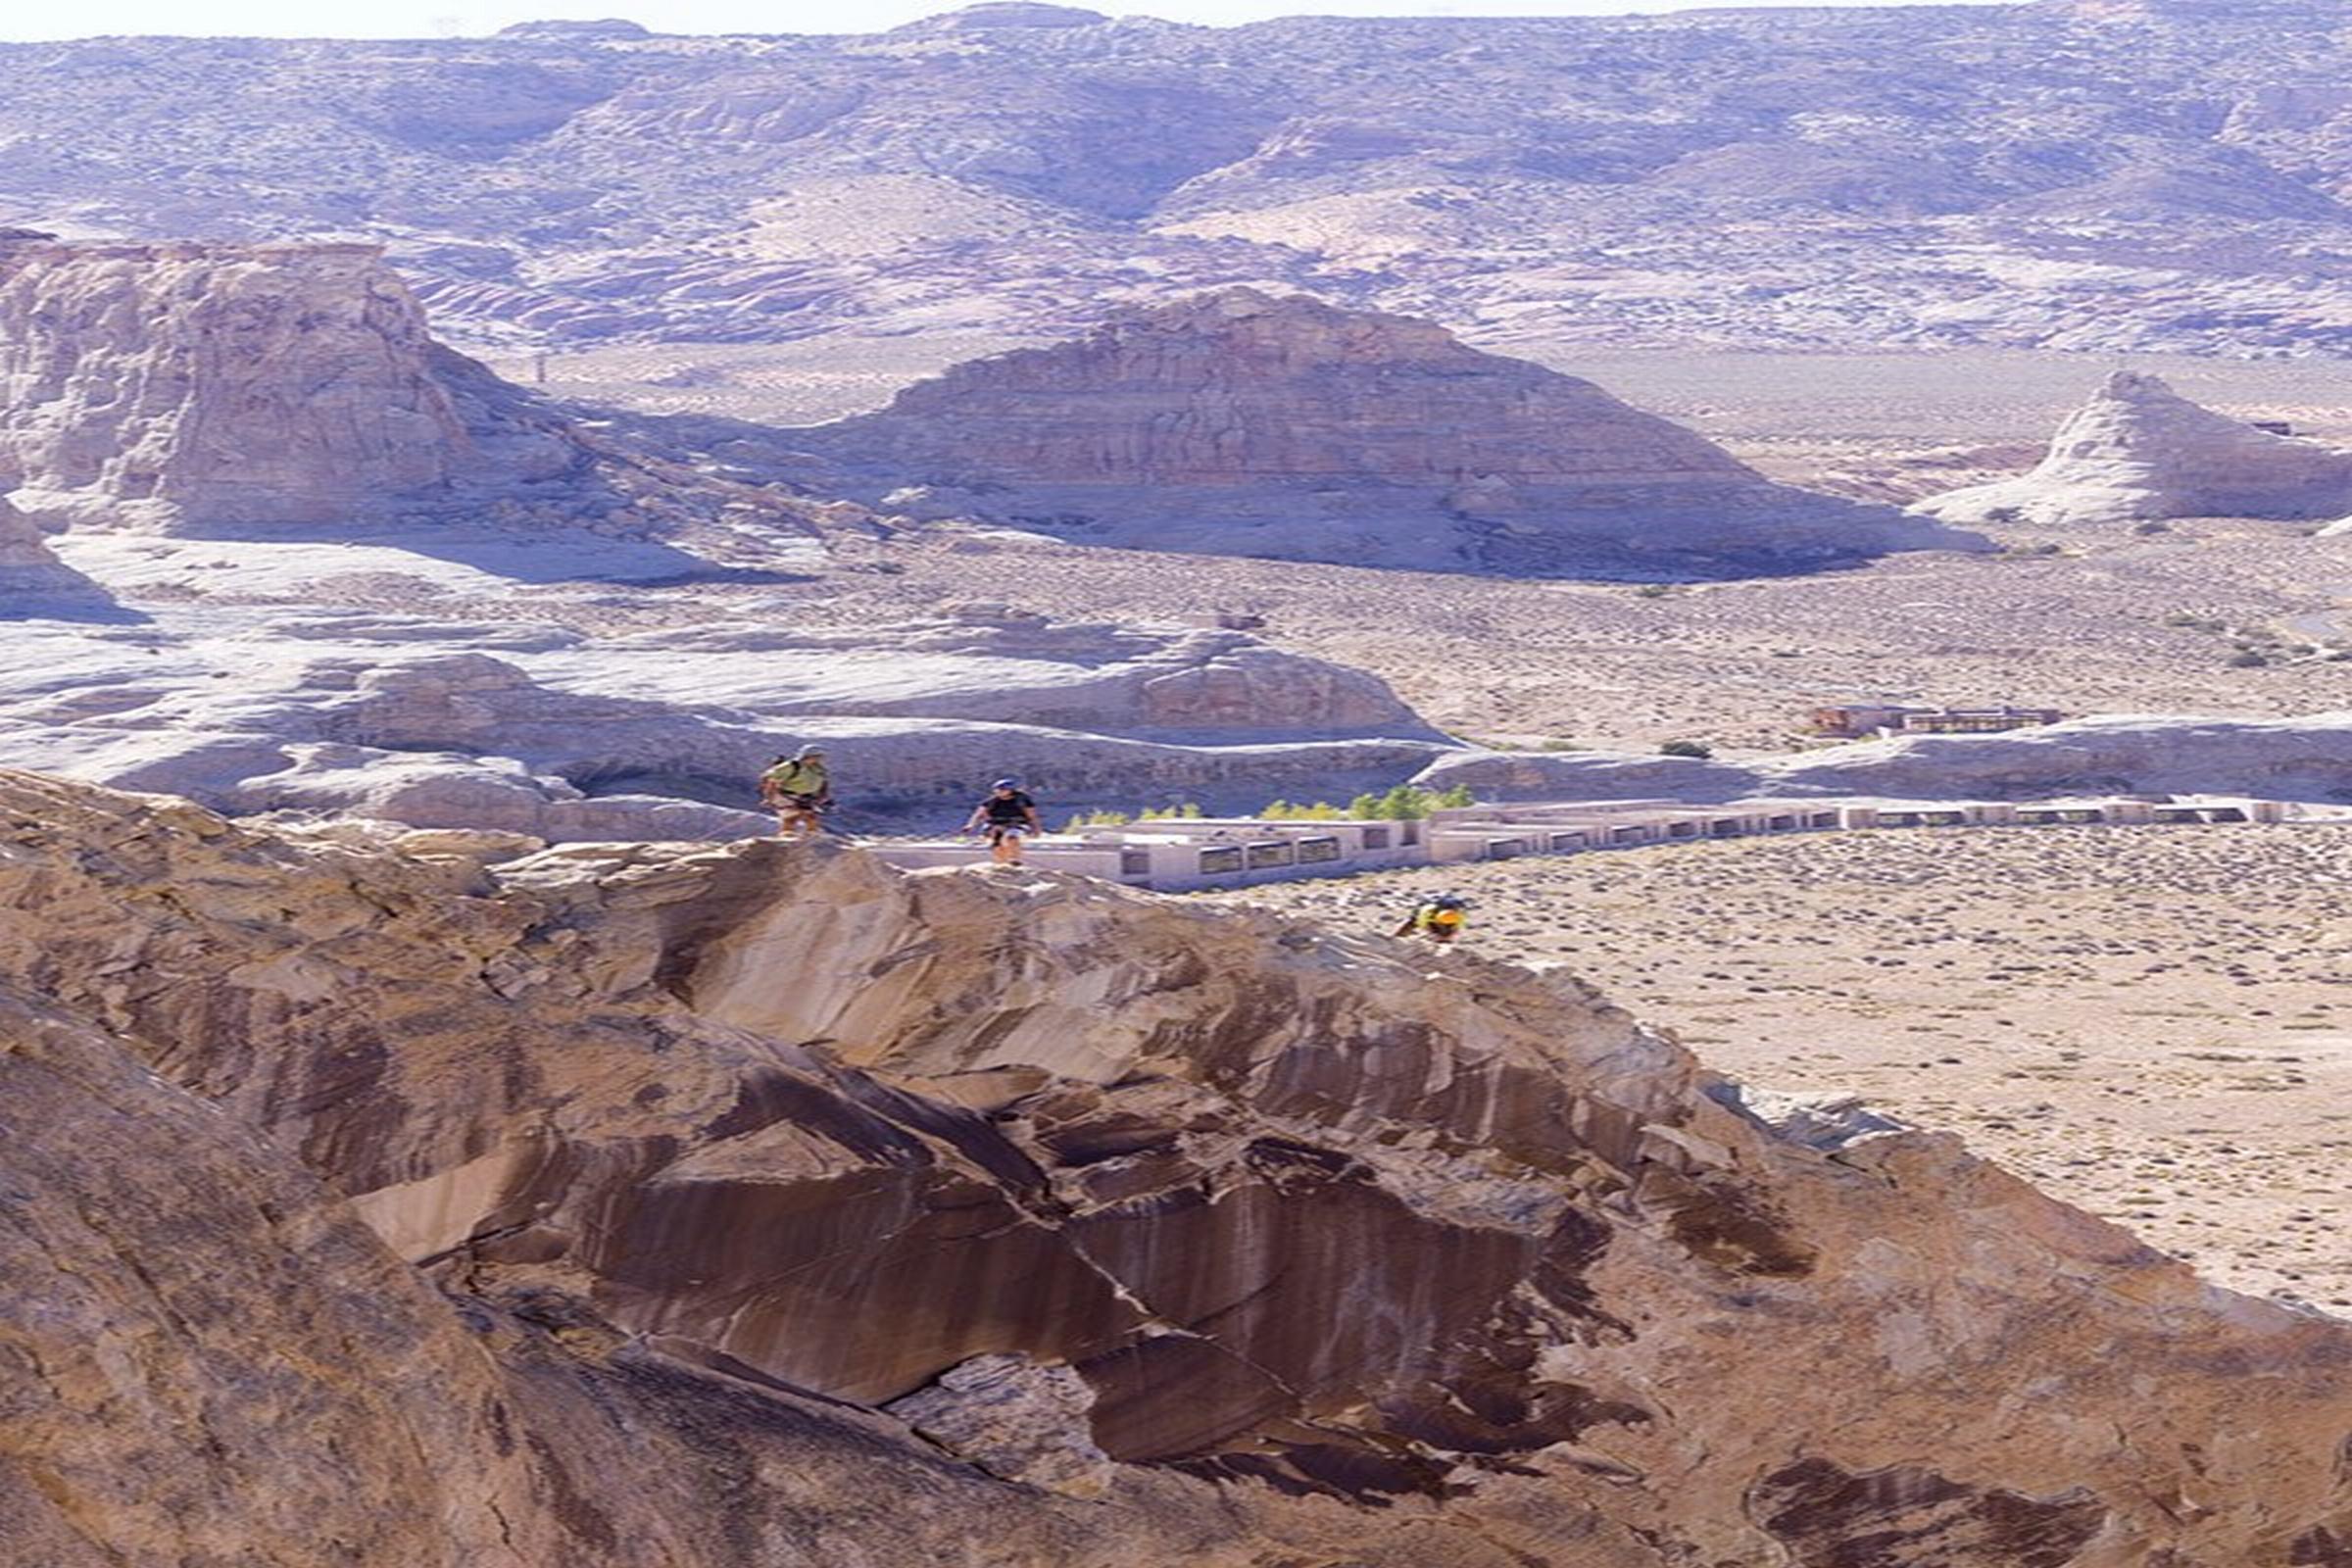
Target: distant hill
pixel 2156 175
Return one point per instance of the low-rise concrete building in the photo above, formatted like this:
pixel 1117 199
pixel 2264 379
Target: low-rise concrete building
pixel 1176 853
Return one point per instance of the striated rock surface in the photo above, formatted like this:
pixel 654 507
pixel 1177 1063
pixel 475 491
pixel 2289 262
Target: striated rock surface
pixel 2139 451
pixel 197 384
pixel 1311 1253
pixel 1243 423
pixel 219 389
pixel 542 730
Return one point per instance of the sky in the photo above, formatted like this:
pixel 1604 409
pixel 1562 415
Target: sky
pixel 433 19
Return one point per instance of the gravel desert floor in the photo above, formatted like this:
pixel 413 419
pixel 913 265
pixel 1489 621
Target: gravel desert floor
pixel 2155 1023
pixel 2112 622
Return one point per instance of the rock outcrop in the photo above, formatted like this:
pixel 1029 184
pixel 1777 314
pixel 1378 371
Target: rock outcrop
pixel 659 734
pixel 192 385
pixel 1236 1240
pixel 28 565
pixel 1242 423
pixel 224 390
pixel 2139 450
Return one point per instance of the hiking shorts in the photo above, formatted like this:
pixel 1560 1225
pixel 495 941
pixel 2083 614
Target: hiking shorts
pixel 999 832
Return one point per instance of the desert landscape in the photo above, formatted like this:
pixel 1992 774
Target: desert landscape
pixel 443 1122
pixel 2151 1023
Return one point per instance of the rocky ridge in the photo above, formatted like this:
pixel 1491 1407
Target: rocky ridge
pixel 1263 1241
pixel 1239 423
pixel 2139 450
pixel 2095 177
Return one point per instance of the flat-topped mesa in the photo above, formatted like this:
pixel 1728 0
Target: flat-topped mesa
pixel 1239 423
pixel 186 386
pixel 2139 450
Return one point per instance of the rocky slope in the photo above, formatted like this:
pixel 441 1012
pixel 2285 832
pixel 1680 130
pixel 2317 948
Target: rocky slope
pixel 2139 450
pixel 2091 176
pixel 1087 1224
pixel 1238 422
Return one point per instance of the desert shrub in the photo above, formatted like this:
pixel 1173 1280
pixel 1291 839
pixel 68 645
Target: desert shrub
pixel 2151 527
pixel 1096 819
pixel 1169 814
pixel 2247 658
pixel 1653 590
pixel 1699 749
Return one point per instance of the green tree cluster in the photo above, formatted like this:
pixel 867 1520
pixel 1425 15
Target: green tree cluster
pixel 1408 802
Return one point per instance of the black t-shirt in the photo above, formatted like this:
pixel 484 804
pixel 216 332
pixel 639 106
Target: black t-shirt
pixel 1007 810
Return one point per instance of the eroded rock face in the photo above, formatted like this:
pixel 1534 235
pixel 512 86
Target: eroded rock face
pixel 661 734
pixel 1313 1253
pixel 2139 451
pixel 1240 423
pixel 192 384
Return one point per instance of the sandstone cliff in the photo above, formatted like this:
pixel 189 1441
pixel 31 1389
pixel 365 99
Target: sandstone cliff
pixel 1240 423
pixel 2139 451
pixel 786 1209
pixel 223 389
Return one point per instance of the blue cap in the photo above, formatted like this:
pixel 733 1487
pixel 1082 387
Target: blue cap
pixel 1005 784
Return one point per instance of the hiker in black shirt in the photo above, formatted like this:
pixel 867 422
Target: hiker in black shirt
pixel 1005 816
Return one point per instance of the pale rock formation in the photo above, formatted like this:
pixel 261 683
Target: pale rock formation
pixel 186 385
pixel 2306 758
pixel 222 390
pixel 2139 451
pixel 28 565
pixel 1332 1256
pixel 1243 423
pixel 544 732
pixel 981 661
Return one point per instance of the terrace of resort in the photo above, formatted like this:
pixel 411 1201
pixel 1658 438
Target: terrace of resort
pixel 1176 853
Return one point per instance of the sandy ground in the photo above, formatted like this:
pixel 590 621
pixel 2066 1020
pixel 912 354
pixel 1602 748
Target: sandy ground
pixel 2152 1022
pixel 1737 664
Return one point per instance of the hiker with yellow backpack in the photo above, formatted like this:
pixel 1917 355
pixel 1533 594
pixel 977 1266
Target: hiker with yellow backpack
pixel 1438 919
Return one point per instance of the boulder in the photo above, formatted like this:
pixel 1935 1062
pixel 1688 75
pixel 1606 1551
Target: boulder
pixel 1238 422
pixel 2139 451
